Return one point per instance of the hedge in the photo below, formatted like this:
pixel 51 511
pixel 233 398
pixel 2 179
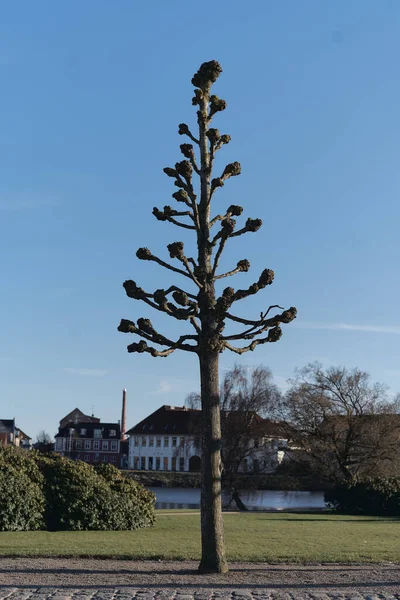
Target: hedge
pixel 55 493
pixel 369 496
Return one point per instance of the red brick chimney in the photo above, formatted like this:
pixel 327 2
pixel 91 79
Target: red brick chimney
pixel 123 416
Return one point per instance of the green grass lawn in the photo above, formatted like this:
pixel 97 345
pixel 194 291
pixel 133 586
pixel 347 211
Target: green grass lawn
pixel 272 537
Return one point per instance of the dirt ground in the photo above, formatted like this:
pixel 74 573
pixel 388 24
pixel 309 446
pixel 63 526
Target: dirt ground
pixel 90 573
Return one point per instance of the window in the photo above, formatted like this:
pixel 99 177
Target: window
pixel 69 444
pixel 78 444
pixel 166 442
pixel 182 441
pixel 255 465
pixel 113 433
pixel 105 457
pixel 144 441
pixel 83 431
pixel 181 464
pixel 136 441
pixel 87 444
pixel 59 443
pixel 143 463
pixel 158 443
pixel 151 442
pixel 173 463
pixel 136 463
pixel 96 457
pixel 113 459
pixel 158 463
pixel 97 433
pixel 86 457
pixel 104 446
pixel 165 463
pixel 96 445
pixel 150 463
pixel 174 440
pixel 114 446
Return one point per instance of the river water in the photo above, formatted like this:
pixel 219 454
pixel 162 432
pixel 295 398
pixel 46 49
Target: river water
pixel 171 498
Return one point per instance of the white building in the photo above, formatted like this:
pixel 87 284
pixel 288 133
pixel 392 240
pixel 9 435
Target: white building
pixel 169 440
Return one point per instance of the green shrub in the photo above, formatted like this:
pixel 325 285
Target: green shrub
pixel 134 504
pixel 40 491
pixel 21 492
pixel 80 498
pixel 370 496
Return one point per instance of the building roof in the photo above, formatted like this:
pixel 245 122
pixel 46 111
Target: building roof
pixel 89 429
pixel 77 416
pixel 180 420
pixel 23 435
pixel 8 424
pixel 169 420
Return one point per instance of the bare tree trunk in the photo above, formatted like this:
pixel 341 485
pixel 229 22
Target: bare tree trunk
pixel 212 527
pixel 238 501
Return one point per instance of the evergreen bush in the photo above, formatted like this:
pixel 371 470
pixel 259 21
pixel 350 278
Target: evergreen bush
pixel 52 492
pixel 369 496
pixel 21 492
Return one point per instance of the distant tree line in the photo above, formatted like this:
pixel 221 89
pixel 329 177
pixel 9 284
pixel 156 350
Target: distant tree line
pixel 339 425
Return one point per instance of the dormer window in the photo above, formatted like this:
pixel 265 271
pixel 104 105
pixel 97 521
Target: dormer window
pixel 113 433
pixel 83 431
pixel 97 433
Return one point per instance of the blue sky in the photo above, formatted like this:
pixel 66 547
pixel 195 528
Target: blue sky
pixel 92 93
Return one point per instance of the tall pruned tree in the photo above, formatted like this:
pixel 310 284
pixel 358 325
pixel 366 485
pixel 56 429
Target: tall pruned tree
pixel 201 307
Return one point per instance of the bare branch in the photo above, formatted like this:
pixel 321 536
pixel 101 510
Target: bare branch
pixel 188 152
pixel 242 267
pixel 233 211
pixel 266 278
pixel 218 255
pixel 159 301
pixel 145 254
pixel 174 288
pixel 252 225
pixel 182 196
pixel 263 324
pixel 184 130
pixel 168 214
pixel 195 324
pixel 176 251
pixel 145 329
pixel 248 321
pixel 273 336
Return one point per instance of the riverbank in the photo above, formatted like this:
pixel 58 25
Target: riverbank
pixel 250 537
pixel 244 482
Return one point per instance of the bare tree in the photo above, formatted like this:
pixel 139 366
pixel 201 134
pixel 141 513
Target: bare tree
pixel 201 307
pixel 44 442
pixel 43 437
pixel 345 425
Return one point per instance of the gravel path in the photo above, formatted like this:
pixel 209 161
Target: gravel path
pixel 84 579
